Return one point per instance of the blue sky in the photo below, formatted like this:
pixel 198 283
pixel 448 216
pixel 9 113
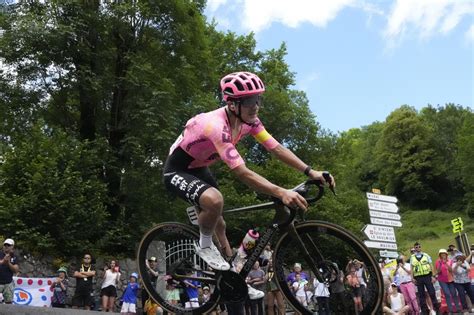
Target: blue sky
pixel 359 60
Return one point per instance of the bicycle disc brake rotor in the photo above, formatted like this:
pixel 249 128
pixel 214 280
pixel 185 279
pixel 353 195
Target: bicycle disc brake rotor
pixel 232 287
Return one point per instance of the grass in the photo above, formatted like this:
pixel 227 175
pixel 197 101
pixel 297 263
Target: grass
pixel 432 229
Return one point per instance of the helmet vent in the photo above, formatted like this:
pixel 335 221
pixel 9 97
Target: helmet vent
pixel 239 85
pixel 255 83
pixel 249 86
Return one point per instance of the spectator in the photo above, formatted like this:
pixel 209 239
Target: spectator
pixel 109 286
pixel 172 292
pixel 360 271
pixel 396 302
pixel 192 292
pixel 445 279
pixel 461 280
pixel 8 268
pixel 353 282
pixel 452 251
pixel 256 279
pixel 151 265
pixel 321 292
pixel 296 270
pixel 129 297
pixel 299 288
pixel 84 287
pixel 338 292
pixel 266 256
pixel 59 288
pixel 273 293
pixel 407 288
pixel 422 277
pixel 236 308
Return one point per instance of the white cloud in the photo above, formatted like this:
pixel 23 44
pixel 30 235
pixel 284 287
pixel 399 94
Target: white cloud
pixel 257 15
pixel 425 17
pixel 470 34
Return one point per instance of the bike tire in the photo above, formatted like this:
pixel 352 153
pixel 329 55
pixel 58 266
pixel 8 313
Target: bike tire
pixel 172 243
pixel 336 245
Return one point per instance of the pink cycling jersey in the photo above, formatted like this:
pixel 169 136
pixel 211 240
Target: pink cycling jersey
pixel 208 138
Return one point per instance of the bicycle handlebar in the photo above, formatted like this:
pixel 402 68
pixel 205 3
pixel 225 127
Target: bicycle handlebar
pixel 302 189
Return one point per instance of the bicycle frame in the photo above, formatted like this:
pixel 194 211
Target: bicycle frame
pixel 287 224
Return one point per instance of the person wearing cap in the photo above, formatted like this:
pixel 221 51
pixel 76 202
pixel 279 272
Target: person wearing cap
pixel 422 277
pixel 59 288
pixel 151 266
pixel 129 296
pixel 462 283
pixel 8 268
pixel 396 301
pixel 445 279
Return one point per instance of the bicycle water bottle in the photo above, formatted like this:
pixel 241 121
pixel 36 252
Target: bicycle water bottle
pixel 248 243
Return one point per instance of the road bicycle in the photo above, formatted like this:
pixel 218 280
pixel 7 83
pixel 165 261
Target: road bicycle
pixel 325 250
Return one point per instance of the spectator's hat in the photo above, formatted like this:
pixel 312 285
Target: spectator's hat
pixel 9 241
pixel 62 269
pixel 442 251
pixel 135 275
pixel 153 258
pixel 393 284
pixel 297 265
pixel 206 288
pixel 459 255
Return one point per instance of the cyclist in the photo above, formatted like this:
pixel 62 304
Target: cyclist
pixel 211 136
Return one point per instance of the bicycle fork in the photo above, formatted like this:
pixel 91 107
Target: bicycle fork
pixel 306 255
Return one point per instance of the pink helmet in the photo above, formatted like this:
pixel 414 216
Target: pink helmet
pixel 240 84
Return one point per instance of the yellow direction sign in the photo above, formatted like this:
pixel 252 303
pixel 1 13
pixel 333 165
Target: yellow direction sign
pixel 457 225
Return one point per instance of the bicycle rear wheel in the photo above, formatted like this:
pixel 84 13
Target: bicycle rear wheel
pixel 331 248
pixel 178 265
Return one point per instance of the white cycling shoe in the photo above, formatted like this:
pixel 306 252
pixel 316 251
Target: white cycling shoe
pixel 255 294
pixel 212 257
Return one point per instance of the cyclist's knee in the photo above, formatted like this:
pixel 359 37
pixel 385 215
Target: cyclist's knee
pixel 212 200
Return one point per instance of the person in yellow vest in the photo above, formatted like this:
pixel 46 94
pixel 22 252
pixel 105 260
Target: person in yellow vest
pixel 422 277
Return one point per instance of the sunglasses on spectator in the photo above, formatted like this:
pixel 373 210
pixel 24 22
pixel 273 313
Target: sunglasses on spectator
pixel 7 245
pixel 250 101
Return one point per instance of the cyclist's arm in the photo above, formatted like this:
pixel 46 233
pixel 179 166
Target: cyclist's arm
pixel 289 158
pixel 262 185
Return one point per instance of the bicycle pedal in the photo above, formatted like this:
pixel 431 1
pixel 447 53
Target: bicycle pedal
pixel 192 215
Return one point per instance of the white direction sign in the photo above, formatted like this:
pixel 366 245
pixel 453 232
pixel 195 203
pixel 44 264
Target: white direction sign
pixel 385 222
pixel 381 245
pixel 380 233
pixel 385 215
pixel 382 206
pixel 382 197
pixel 388 254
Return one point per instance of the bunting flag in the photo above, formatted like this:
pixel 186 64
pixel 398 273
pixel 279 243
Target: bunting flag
pixel 32 291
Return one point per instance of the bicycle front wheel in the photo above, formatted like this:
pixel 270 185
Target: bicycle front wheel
pixel 340 257
pixel 181 273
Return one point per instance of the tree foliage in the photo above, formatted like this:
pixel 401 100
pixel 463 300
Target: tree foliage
pixel 92 95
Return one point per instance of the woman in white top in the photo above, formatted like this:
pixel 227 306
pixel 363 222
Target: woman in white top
pixel 396 302
pixel 299 289
pixel 321 292
pixel 109 286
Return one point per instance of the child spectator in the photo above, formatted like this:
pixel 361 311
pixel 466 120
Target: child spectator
pixel 129 297
pixel 396 302
pixel 192 291
pixel 299 288
pixel 59 287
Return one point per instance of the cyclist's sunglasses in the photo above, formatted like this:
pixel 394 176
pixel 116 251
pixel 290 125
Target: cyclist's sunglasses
pixel 250 101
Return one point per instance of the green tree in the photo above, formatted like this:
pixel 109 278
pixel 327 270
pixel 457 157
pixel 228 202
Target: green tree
pixel 52 199
pixel 465 161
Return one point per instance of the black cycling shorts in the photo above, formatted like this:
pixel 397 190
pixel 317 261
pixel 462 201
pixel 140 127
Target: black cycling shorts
pixel 188 184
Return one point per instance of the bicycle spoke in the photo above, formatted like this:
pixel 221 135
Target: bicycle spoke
pixel 182 274
pixel 330 249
